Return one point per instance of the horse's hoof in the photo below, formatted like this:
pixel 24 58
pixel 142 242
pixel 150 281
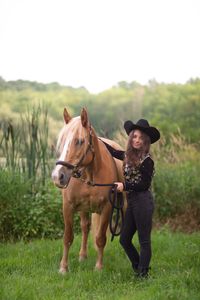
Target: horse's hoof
pixel 63 271
pixel 82 258
pixel 98 267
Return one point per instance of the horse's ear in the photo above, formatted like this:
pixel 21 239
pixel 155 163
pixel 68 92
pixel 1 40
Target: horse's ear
pixel 66 116
pixel 84 117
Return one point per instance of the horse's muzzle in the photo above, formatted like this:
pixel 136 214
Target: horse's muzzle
pixel 61 176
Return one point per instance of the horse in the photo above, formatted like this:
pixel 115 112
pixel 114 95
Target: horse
pixel 83 160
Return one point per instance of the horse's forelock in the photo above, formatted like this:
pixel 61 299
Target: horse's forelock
pixel 63 133
pixel 67 133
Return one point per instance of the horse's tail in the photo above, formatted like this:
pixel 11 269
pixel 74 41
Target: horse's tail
pixel 95 221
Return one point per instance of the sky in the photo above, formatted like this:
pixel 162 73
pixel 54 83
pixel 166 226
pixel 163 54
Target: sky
pixel 98 43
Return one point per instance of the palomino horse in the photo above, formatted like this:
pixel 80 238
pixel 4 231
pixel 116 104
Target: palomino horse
pixel 84 158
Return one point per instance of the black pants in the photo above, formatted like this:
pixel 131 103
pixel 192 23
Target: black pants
pixel 138 217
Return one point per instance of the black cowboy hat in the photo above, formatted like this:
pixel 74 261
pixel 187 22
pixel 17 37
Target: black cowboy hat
pixel 144 126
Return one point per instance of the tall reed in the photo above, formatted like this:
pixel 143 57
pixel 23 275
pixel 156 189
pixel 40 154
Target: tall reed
pixel 9 145
pixel 24 147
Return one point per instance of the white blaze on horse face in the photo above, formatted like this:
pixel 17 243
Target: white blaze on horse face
pixel 66 146
pixel 68 132
pixel 63 143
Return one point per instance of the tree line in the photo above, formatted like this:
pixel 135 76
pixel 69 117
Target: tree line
pixel 171 107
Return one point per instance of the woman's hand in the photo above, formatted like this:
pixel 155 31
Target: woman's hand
pixel 120 186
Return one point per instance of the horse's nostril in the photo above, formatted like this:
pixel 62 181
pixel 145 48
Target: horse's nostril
pixel 61 177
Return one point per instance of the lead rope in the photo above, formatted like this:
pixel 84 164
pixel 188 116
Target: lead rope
pixel 117 202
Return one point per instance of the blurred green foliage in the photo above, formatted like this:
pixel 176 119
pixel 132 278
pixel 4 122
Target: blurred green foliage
pixel 171 107
pixel 176 181
pixel 24 214
pixel 176 186
pixel 30 206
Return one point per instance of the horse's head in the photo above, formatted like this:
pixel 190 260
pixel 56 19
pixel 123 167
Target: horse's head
pixel 74 148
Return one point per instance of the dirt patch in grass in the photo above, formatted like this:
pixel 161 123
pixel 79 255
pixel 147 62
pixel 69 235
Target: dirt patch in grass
pixel 187 221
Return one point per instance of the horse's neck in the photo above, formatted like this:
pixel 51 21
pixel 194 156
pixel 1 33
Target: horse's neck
pixel 102 159
pixel 97 162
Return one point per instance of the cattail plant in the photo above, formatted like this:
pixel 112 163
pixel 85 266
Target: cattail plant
pixel 24 146
pixel 43 133
pixel 35 133
pixel 9 145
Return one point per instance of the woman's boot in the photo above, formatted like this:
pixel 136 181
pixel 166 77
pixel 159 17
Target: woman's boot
pixel 143 272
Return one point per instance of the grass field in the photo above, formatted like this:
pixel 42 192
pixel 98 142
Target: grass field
pixel 30 271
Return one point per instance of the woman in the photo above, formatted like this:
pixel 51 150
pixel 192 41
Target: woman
pixel 138 169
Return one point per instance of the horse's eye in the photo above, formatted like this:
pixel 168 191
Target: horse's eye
pixel 79 142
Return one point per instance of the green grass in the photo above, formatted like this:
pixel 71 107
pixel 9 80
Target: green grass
pixel 30 271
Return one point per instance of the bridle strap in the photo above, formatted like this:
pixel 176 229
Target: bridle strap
pixel 65 164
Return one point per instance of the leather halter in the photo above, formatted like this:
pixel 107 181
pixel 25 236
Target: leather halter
pixel 76 172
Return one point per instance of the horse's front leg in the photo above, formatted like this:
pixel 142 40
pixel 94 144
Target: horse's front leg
pixel 101 235
pixel 85 227
pixel 68 235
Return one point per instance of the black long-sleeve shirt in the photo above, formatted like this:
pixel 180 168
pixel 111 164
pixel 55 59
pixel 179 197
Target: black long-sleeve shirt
pixel 141 180
pixel 136 179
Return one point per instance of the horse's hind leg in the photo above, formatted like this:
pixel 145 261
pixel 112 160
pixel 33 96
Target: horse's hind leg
pixel 85 227
pixel 101 236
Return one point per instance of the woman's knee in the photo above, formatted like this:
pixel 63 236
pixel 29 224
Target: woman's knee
pixel 124 241
pixel 145 243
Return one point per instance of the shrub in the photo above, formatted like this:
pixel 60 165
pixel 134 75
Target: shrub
pixel 175 186
pixel 13 189
pixel 28 215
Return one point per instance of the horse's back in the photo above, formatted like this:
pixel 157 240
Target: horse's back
pixel 111 143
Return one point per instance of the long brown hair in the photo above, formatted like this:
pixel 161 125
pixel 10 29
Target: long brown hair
pixel 134 156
